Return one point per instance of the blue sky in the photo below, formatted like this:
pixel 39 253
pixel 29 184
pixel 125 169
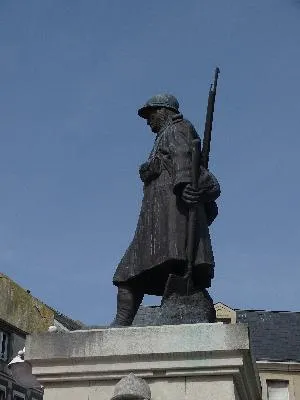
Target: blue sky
pixel 73 74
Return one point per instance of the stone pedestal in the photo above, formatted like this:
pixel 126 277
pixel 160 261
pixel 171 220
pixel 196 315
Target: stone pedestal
pixel 193 362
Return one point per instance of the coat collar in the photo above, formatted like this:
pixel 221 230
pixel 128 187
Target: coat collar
pixel 173 120
pixel 177 117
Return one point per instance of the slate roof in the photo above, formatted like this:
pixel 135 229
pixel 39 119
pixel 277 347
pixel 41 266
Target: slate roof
pixel 67 322
pixel 274 335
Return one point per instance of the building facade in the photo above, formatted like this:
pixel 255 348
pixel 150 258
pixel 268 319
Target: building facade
pixel 275 345
pixel 22 314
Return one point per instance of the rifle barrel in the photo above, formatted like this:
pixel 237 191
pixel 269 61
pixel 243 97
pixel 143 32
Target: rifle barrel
pixel 209 120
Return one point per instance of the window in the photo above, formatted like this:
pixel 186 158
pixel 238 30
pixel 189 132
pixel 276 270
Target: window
pixel 3 346
pixel 36 396
pixel 224 320
pixel 2 392
pixel 18 395
pixel 278 390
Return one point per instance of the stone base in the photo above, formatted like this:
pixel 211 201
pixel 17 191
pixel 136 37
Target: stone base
pixel 192 362
pixel 192 309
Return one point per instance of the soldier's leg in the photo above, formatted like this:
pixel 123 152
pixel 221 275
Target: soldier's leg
pixel 128 301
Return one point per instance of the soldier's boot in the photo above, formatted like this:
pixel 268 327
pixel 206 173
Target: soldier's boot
pixel 128 302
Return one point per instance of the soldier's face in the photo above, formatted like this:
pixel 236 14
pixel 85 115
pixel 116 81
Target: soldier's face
pixel 155 119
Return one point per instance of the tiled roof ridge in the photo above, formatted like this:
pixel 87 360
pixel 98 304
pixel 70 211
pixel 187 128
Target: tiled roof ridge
pixel 267 311
pixel 64 319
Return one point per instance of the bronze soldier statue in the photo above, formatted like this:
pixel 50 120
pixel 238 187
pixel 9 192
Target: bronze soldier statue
pixel 159 244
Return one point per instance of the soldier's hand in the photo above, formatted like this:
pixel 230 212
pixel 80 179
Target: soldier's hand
pixel 191 196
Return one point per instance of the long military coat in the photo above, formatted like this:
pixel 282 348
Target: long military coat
pixel 159 244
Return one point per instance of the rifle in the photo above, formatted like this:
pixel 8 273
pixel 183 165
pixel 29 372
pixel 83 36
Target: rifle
pixel 183 285
pixel 209 120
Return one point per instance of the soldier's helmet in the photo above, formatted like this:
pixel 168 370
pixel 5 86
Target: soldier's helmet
pixel 160 100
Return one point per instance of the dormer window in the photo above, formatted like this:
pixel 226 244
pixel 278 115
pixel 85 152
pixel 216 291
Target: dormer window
pixel 18 395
